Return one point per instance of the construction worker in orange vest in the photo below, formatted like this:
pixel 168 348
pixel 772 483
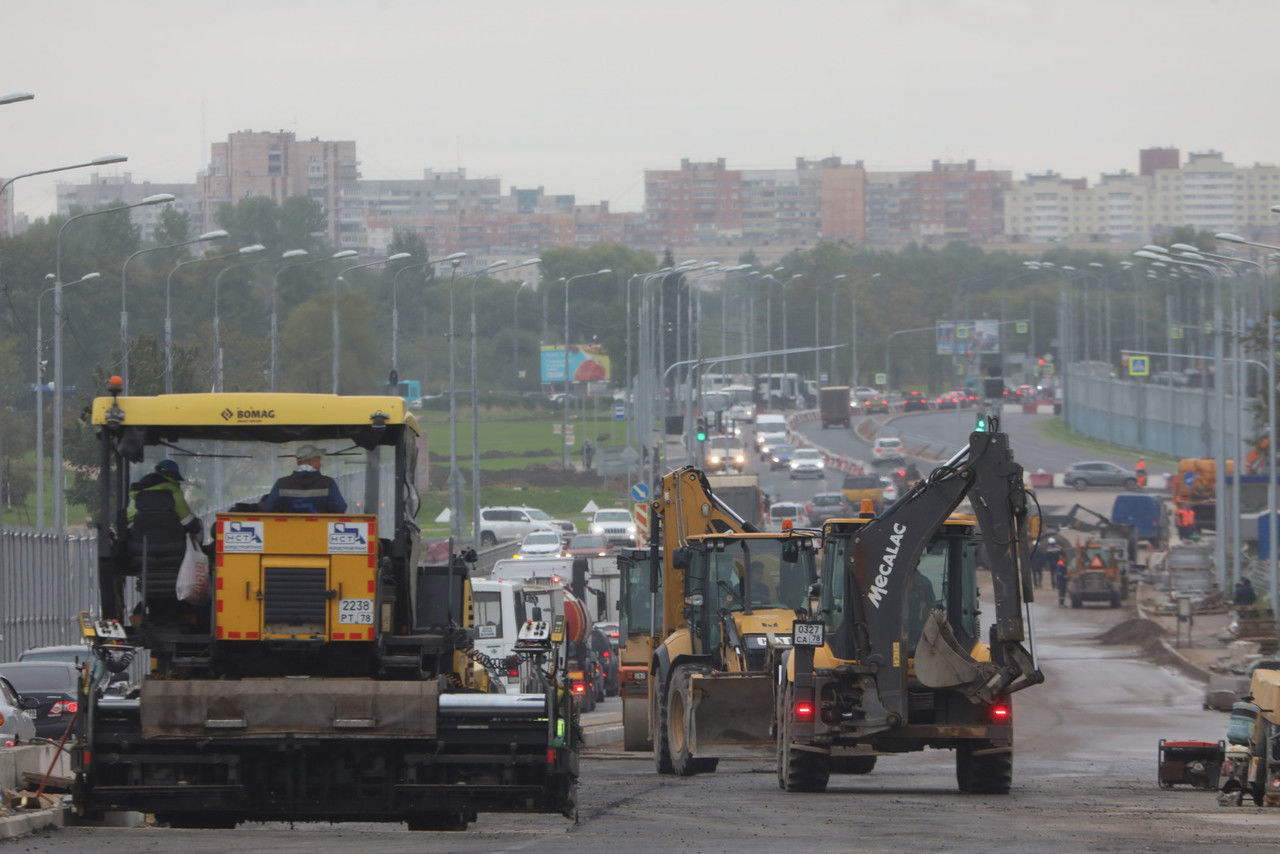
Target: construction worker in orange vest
pixel 1186 519
pixel 1141 471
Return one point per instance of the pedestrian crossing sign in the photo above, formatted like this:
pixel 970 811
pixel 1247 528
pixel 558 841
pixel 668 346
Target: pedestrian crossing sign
pixel 1139 366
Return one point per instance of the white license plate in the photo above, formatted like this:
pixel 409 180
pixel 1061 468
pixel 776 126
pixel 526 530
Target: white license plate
pixel 359 611
pixel 806 634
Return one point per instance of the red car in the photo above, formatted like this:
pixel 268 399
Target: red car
pixel 586 545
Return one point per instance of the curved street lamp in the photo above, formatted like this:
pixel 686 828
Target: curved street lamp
pixel 399 256
pixel 395 302
pixel 218 234
pixel 568 380
pixel 252 249
pixel 59 503
pixel 40 393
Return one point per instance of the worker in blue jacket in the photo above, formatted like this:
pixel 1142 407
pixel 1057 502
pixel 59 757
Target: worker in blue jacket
pixel 305 490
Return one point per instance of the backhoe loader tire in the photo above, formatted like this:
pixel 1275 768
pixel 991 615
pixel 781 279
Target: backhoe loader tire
pixel 799 770
pixel 679 708
pixel 658 714
pixel 985 773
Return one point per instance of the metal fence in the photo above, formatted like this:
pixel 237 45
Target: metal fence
pixel 1150 417
pixel 45 582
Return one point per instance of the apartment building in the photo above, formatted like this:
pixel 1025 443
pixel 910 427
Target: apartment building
pixel 1206 192
pixel 950 201
pixel 276 165
pixel 697 203
pixel 106 191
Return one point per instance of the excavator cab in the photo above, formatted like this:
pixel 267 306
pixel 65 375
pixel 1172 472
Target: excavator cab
pixel 945 579
pixel 735 588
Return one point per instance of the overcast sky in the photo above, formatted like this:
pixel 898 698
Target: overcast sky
pixel 582 96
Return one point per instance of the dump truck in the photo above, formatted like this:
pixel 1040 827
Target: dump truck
pixel 889 656
pixel 833 404
pixel 326 674
pixel 721 595
pixel 742 493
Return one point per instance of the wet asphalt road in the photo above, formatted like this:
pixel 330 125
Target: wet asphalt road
pixel 1084 780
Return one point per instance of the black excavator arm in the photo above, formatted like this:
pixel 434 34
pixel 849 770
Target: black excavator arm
pixel 884 553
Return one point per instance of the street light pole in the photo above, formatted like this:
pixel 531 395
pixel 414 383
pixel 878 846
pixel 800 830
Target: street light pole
pixel 168 322
pixel 568 380
pixel 124 310
pixel 40 393
pixel 455 477
pixel 515 337
pixel 337 329
pixel 395 302
pixel 59 506
pixel 274 332
pixel 217 330
pixel 475 412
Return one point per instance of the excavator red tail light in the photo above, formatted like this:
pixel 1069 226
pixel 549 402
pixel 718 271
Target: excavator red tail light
pixel 804 711
pixel 1001 713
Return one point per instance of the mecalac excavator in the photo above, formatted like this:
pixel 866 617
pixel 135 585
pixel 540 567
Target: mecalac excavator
pixel 891 658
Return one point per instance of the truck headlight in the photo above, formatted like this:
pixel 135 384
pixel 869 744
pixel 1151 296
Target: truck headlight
pixel 597 529
pixel 795 464
pixel 715 459
pixel 631 530
pixel 740 458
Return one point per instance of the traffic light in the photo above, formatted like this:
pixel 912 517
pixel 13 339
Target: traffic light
pixel 701 434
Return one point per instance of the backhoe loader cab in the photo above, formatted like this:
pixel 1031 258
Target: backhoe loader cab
pixel 710 678
pixel 717 598
pixel 894 659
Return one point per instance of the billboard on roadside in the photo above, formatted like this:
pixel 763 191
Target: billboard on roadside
pixel 587 363
pixel 967 337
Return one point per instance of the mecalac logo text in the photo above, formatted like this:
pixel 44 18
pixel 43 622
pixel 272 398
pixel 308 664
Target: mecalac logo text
pixel 881 583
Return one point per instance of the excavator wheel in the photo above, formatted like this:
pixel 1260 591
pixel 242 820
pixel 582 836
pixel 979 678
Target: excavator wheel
pixel 980 773
pixel 658 714
pixel 799 770
pixel 679 707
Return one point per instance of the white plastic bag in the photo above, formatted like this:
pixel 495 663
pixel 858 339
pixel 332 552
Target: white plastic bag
pixel 193 575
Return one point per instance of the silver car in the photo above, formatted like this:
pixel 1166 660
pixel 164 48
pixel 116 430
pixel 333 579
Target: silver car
pixel 1099 473
pixel 17 717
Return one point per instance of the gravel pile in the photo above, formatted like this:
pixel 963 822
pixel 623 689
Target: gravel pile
pixel 1135 631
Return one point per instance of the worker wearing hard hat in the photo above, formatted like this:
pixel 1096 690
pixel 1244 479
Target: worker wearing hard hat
pixel 305 490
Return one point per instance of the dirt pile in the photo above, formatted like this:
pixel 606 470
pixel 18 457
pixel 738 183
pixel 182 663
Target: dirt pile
pixel 1135 631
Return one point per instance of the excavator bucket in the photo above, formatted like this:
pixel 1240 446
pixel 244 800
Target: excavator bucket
pixel 731 711
pixel 940 662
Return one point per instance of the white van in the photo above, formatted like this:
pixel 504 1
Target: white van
pixel 498 620
pixel 771 429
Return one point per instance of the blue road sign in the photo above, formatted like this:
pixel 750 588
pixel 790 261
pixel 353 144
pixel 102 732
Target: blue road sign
pixel 640 492
pixel 1189 478
pixel 619 412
